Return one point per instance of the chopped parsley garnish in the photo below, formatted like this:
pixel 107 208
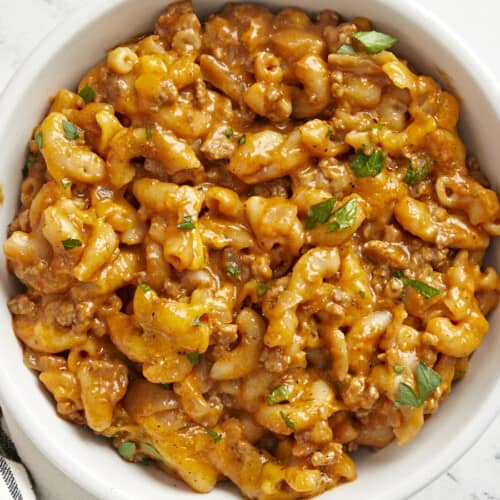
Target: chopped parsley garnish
pixel 362 293
pixel 187 223
pixel 87 94
pixel 196 321
pixel 151 450
pixel 407 397
pixel 459 374
pixel 65 182
pixel 398 368
pixel 127 449
pixel 242 140
pixel 28 164
pixel 233 270
pixel 149 133
pixel 422 288
pixel 145 288
pixel 166 387
pixel 346 49
pixel 214 435
pixel 343 217
pixel 70 130
pixel 323 212
pixel 278 395
pixel 329 132
pixel 415 175
pixel 71 243
pixel 374 41
pixel 367 166
pixel 228 132
pixel 193 357
pixel 39 139
pixel 427 382
pixel 319 213
pixel 261 289
pixel 287 421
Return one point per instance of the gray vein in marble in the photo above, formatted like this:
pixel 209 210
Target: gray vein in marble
pixel 487 496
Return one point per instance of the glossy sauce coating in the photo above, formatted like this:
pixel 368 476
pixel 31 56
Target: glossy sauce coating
pixel 249 250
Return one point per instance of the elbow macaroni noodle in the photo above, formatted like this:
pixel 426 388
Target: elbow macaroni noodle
pixel 244 241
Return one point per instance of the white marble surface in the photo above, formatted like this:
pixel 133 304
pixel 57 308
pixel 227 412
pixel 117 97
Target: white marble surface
pixel 23 23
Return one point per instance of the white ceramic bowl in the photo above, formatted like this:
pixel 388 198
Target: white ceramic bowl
pixel 60 61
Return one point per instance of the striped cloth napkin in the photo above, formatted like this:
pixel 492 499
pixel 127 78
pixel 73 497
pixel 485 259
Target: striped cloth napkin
pixel 15 482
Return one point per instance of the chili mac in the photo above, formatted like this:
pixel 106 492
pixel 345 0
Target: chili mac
pixel 251 245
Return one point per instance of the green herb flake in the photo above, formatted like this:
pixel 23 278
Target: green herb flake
pixel 427 382
pixel 193 357
pixel 127 450
pixel 398 368
pixel 343 217
pixel 71 243
pixel 346 49
pixel 187 223
pixel 278 395
pixel 261 289
pixel 28 164
pixel 87 94
pixel 149 448
pixel 362 294
pixel 242 140
pixel 65 182
pixel 39 139
pixel 145 288
pixel 407 397
pixel 287 420
pixel 459 374
pixel 233 270
pixel 166 387
pixel 374 41
pixel 149 133
pixel 367 166
pixel 70 130
pixel 329 132
pixel 196 321
pixel 319 213
pixel 415 175
pixel 214 435
pixel 422 288
pixel 228 132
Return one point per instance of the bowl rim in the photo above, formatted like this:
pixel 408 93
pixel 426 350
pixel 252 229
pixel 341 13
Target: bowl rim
pixel 88 478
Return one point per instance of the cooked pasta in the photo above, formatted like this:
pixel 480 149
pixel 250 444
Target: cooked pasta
pixel 251 245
